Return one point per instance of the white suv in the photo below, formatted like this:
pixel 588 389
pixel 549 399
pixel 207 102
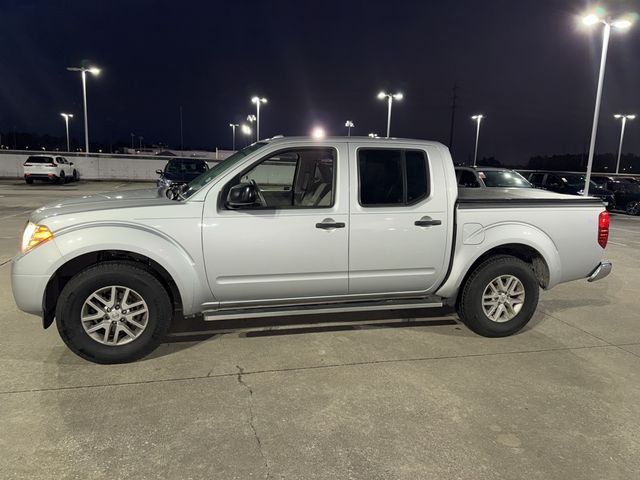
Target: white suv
pixel 47 167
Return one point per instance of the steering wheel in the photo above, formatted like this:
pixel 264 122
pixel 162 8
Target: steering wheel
pixel 261 198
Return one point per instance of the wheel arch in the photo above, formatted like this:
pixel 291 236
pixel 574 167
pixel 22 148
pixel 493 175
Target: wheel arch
pixel 524 252
pixel 541 254
pixel 75 265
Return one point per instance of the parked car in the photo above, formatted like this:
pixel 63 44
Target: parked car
pixel 179 171
pixel 53 168
pixel 293 226
pixel 483 177
pixel 571 184
pixel 627 196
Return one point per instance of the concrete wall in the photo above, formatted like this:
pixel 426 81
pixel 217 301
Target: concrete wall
pixel 97 166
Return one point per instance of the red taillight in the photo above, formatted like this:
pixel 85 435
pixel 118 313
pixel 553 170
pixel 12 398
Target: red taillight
pixel 603 228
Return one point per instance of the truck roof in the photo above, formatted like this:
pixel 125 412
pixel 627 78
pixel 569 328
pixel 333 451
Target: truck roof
pixel 359 139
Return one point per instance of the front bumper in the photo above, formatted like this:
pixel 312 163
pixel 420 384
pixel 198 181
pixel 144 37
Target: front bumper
pixel 601 271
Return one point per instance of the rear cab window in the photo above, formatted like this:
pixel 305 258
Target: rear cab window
pixel 392 177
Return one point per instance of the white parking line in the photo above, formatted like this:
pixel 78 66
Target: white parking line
pixel 625 230
pixel 17 214
pixel 620 244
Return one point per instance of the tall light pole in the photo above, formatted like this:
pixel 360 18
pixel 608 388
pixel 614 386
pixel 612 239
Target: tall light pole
pixel 478 118
pixel 140 138
pixel 233 129
pixel 349 124
pixel 67 116
pixel 258 101
pixel 390 98
pixel 83 71
pixel 620 24
pixel 624 119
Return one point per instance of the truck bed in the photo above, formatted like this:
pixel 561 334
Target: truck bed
pixel 519 197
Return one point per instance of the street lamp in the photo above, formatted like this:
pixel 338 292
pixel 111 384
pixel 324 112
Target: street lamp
pixel 624 119
pixel 599 16
pixel 390 98
pixel 133 135
pixel 233 129
pixel 140 139
pixel 67 116
pixel 258 101
pixel 318 132
pixel 349 124
pixel 478 118
pixel 83 71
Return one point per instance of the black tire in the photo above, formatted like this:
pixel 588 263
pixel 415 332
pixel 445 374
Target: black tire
pixel 470 308
pixel 633 208
pixel 75 177
pixel 62 178
pixel 128 275
pixel 28 180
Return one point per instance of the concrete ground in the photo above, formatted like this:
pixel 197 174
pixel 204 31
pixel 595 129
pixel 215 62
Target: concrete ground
pixel 416 396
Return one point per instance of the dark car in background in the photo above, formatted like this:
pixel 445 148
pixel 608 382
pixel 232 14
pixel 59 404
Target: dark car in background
pixel 179 171
pixel 571 184
pixel 488 177
pixel 627 196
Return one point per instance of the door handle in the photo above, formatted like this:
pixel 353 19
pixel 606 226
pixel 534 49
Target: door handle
pixel 329 223
pixel 427 222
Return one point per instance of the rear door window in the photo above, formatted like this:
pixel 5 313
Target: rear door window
pixel 392 177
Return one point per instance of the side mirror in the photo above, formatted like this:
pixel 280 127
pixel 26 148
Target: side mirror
pixel 159 172
pixel 241 196
pixel 70 163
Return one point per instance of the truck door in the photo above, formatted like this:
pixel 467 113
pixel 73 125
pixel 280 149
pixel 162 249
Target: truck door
pixel 398 239
pixel 293 244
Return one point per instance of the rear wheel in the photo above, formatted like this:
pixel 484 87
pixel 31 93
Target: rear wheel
pixel 114 312
pixel 633 208
pixel 499 297
pixel 28 180
pixel 62 178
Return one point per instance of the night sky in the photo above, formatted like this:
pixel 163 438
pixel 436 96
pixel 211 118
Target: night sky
pixel 525 64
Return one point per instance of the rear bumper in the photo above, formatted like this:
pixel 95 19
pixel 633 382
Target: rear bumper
pixel 600 271
pixel 43 176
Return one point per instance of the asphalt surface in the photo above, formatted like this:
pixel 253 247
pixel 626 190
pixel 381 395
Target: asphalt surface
pixel 403 395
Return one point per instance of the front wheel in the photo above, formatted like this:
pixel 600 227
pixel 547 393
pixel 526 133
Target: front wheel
pixel 75 177
pixel 499 297
pixel 113 312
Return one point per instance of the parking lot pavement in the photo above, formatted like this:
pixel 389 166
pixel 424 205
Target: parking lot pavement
pixel 387 396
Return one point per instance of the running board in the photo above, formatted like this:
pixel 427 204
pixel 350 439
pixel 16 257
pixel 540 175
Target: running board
pixel 328 308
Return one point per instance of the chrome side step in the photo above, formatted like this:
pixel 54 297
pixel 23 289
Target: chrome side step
pixel 324 308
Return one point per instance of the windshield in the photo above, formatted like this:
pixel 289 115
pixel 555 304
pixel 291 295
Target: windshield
pixel 176 167
pixel 503 178
pixel 576 180
pixel 200 181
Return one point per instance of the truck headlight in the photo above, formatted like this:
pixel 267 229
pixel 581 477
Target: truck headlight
pixel 34 235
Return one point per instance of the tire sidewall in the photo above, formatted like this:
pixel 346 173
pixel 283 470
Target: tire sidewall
pixel 75 294
pixel 474 308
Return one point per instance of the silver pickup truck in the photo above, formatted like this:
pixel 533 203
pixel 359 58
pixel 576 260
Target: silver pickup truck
pixel 293 226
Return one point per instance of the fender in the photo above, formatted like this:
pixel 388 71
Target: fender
pixel 143 240
pixel 468 249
